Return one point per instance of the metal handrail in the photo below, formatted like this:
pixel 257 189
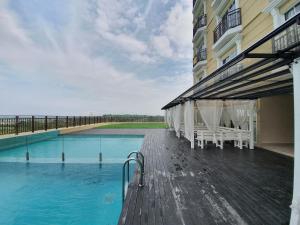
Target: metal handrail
pixel 286 39
pixel 16 124
pixel 141 184
pixel 201 22
pixel 201 55
pixel 137 154
pixel 229 20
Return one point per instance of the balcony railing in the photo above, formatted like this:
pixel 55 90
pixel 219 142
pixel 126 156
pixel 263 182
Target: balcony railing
pixel 20 124
pixel 229 20
pixel 286 39
pixel 230 71
pixel 201 22
pixel 200 56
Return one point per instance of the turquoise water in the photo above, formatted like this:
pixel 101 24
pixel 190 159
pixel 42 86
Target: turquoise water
pixel 77 149
pixel 86 193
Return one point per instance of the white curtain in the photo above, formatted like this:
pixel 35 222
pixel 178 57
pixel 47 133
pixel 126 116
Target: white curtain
pixel 172 117
pixel 168 112
pixel 166 116
pixel 189 120
pixel 211 112
pixel 239 112
pixel 177 119
pixel 251 107
pixel 198 118
pixel 225 119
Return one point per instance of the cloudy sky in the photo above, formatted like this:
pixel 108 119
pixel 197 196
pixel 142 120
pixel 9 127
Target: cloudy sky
pixel 93 56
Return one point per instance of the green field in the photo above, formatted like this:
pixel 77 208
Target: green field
pixel 152 125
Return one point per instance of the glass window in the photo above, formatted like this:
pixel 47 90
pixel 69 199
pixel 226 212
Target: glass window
pixel 230 57
pixel 292 12
pixel 297 7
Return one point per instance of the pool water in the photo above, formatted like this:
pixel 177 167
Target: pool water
pixel 40 193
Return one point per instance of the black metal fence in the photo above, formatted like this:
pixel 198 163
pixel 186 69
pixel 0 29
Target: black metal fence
pixel 229 20
pixel 287 39
pixel 201 22
pixel 200 56
pixel 21 124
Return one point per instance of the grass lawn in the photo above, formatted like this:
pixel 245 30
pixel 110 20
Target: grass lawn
pixel 134 126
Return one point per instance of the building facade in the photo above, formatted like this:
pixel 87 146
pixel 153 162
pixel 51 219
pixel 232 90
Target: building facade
pixel 225 28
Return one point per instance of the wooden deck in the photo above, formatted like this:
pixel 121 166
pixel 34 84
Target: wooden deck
pixel 210 186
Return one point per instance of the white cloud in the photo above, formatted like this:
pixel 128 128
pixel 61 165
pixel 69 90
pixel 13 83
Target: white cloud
pixel 111 21
pixel 162 45
pixel 126 42
pixel 176 32
pixel 143 58
pixel 64 77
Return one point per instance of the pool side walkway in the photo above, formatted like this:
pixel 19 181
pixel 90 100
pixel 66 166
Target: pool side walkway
pixel 210 186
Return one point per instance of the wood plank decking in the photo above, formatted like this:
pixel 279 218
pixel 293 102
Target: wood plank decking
pixel 210 186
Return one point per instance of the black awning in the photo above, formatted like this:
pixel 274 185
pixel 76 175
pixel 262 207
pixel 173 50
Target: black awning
pixel 259 71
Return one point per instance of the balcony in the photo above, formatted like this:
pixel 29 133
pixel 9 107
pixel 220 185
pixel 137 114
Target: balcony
pixel 199 58
pixel 287 39
pixel 201 22
pixel 230 20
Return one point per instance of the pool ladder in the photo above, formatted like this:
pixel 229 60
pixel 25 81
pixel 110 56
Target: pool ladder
pixel 140 163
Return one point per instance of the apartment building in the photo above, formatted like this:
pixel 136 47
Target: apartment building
pixel 225 28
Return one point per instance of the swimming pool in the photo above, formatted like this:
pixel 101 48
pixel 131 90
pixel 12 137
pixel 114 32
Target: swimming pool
pixel 41 193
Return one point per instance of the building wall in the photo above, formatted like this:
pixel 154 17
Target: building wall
pixel 275 120
pixel 256 24
pixel 287 5
pixel 257 21
pixel 211 25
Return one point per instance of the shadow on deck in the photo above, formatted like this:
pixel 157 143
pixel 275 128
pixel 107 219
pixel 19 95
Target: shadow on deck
pixel 209 186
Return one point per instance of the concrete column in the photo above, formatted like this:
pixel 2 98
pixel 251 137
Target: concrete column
pixel 237 4
pixel 238 46
pixel 278 18
pixel 219 62
pixel 295 215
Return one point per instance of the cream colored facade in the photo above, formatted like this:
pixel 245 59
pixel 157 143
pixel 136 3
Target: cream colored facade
pixel 249 20
pixel 245 22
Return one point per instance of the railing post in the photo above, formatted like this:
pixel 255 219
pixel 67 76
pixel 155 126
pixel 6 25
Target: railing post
pixel 79 120
pixel 67 122
pixel 46 123
pixel 32 124
pixel 74 122
pixel 56 122
pixel 89 120
pixel 17 125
